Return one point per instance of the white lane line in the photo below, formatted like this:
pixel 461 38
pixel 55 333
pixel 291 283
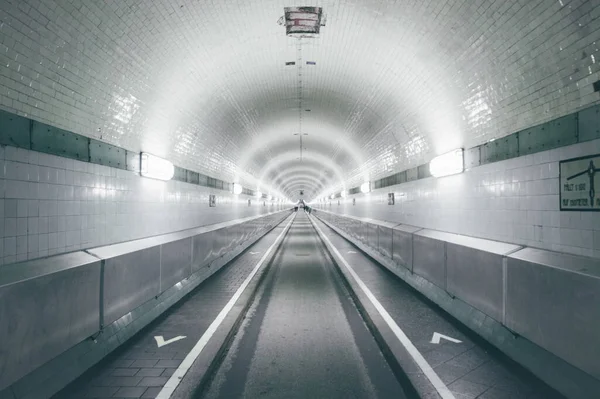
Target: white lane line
pixel 431 375
pixel 183 368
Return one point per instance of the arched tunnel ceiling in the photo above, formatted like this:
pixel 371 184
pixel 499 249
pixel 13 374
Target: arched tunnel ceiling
pixel 206 85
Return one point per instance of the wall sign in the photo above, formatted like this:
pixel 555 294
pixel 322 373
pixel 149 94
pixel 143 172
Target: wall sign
pixel 391 199
pixel 580 184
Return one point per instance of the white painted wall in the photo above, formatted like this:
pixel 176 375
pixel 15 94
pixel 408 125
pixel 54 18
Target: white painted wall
pixel 51 205
pixel 515 201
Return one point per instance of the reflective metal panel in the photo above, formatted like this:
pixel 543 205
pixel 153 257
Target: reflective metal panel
pixel 46 312
pixel 175 262
pixel 129 281
pixel 553 300
pixel 402 237
pixel 245 231
pixel 371 235
pixel 475 276
pixel 353 228
pixel 236 233
pixel 221 242
pixel 428 258
pixel 228 243
pixel 203 250
pixel 385 241
pixel 496 247
pixel 360 231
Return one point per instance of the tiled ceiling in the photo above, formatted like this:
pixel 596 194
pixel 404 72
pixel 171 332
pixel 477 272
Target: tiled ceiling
pixel 205 84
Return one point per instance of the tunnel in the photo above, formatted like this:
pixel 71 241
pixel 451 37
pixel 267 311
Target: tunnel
pixel 316 199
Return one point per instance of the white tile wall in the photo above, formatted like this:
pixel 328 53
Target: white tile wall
pixel 51 205
pixel 515 201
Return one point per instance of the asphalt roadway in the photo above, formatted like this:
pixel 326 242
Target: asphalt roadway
pixel 303 337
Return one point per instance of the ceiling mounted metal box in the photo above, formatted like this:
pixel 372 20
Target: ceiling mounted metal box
pixel 303 21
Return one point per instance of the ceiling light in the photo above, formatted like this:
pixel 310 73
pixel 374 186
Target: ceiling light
pixel 155 167
pixel 258 194
pixel 447 164
pixel 237 188
pixel 343 194
pixel 365 187
pixel 269 197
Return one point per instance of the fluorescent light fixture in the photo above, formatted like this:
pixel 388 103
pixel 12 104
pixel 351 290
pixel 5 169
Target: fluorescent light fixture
pixel 237 188
pixel 365 187
pixel 155 167
pixel 447 164
pixel 343 194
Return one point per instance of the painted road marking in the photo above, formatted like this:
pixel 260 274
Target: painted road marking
pixel 254 253
pixel 431 375
pixel 352 252
pixel 437 336
pixel 160 340
pixel 173 382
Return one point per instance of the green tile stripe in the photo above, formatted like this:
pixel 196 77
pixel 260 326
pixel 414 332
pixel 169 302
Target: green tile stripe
pixel 574 128
pixel 22 132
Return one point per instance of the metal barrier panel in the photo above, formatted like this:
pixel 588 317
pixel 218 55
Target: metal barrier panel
pixel 385 236
pixel 429 259
pixel 129 281
pixel 175 262
pixel 46 306
pixel 476 277
pixel 372 236
pixel 203 250
pixel 237 234
pixel 360 231
pixel 402 237
pixel 553 299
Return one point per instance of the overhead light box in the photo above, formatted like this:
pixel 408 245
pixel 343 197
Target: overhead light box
pixel 447 164
pixel 237 188
pixel 155 167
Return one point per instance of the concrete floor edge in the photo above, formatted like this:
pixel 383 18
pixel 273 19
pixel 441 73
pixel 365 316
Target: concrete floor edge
pixel 56 374
pixel 565 378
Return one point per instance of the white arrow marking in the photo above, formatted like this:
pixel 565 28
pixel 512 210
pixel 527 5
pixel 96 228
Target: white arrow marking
pixel 160 341
pixel 351 252
pixel 254 253
pixel 437 336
